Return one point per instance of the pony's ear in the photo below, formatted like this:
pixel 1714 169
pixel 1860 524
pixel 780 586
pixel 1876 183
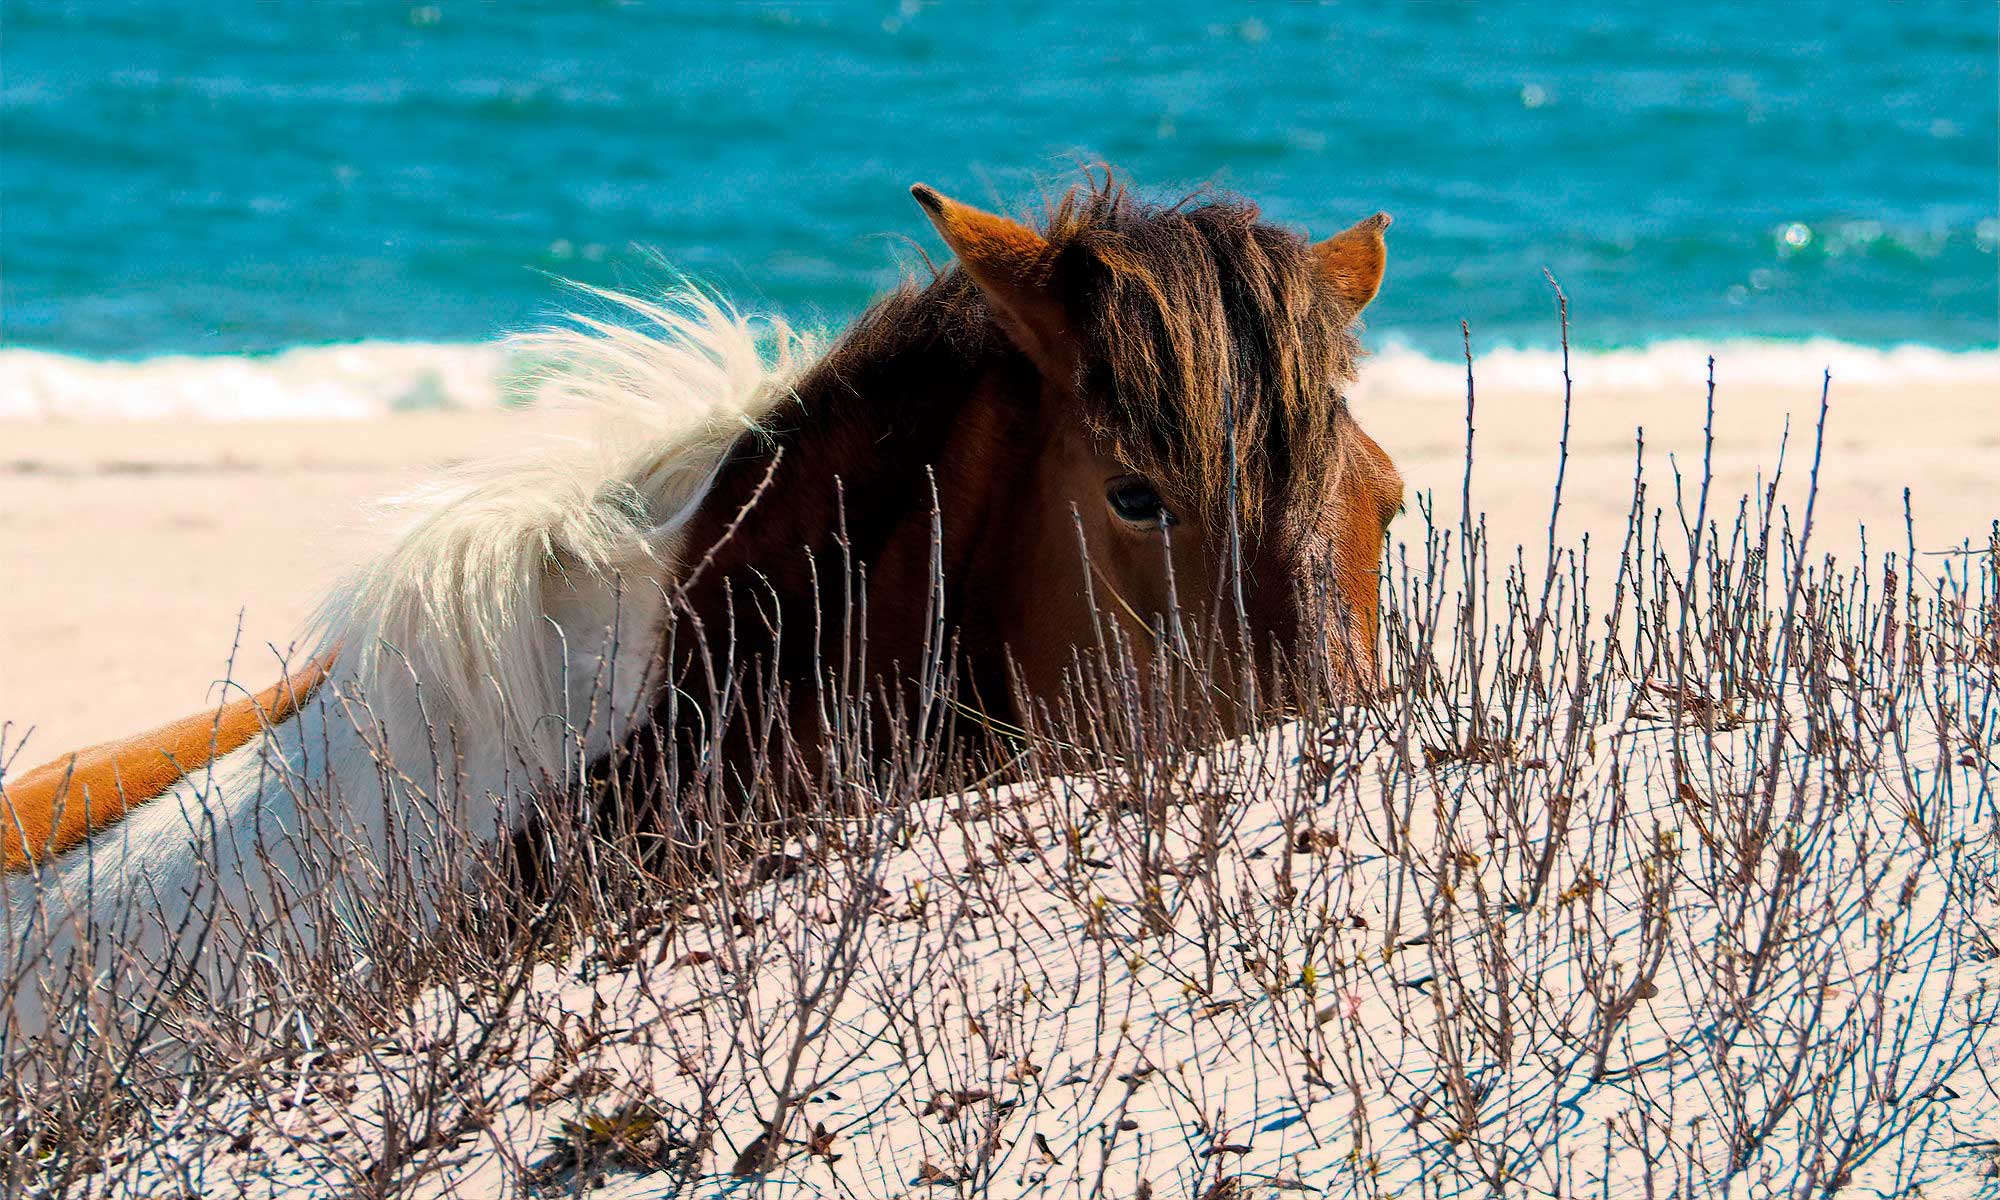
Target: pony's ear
pixel 1353 260
pixel 1014 267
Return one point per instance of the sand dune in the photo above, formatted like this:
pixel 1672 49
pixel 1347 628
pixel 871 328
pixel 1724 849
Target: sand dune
pixel 1010 1010
pixel 1091 1060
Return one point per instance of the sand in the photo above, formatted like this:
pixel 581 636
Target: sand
pixel 139 553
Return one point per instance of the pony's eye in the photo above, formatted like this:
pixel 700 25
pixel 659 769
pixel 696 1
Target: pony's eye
pixel 1134 500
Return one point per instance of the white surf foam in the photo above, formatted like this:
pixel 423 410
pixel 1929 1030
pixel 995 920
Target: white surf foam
pixel 1679 364
pixel 373 379
pixel 348 382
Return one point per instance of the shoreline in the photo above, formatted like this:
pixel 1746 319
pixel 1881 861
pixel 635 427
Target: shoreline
pixel 368 380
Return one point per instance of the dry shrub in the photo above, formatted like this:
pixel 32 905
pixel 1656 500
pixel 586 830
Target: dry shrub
pixel 1665 868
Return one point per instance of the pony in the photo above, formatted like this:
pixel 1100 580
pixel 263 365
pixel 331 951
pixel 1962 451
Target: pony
pixel 1126 400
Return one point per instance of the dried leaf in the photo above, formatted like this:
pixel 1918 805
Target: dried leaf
pixel 1315 841
pixel 773 868
pixel 755 1159
pixel 1225 1188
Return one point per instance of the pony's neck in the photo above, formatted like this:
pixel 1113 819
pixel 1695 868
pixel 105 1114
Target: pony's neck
pixel 859 512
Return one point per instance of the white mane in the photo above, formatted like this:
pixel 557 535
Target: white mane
pixel 488 620
pixel 489 560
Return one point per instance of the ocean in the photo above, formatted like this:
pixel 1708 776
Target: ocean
pixel 409 184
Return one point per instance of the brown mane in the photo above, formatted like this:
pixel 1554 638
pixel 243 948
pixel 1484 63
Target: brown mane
pixel 1167 292
pixel 1179 289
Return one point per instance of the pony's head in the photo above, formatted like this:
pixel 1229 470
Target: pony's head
pixel 1186 453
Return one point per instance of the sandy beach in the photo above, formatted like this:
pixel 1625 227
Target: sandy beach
pixel 140 553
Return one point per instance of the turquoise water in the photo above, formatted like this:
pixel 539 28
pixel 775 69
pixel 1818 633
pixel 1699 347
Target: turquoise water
pixel 184 177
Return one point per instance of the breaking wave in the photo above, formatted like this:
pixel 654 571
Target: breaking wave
pixel 375 379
